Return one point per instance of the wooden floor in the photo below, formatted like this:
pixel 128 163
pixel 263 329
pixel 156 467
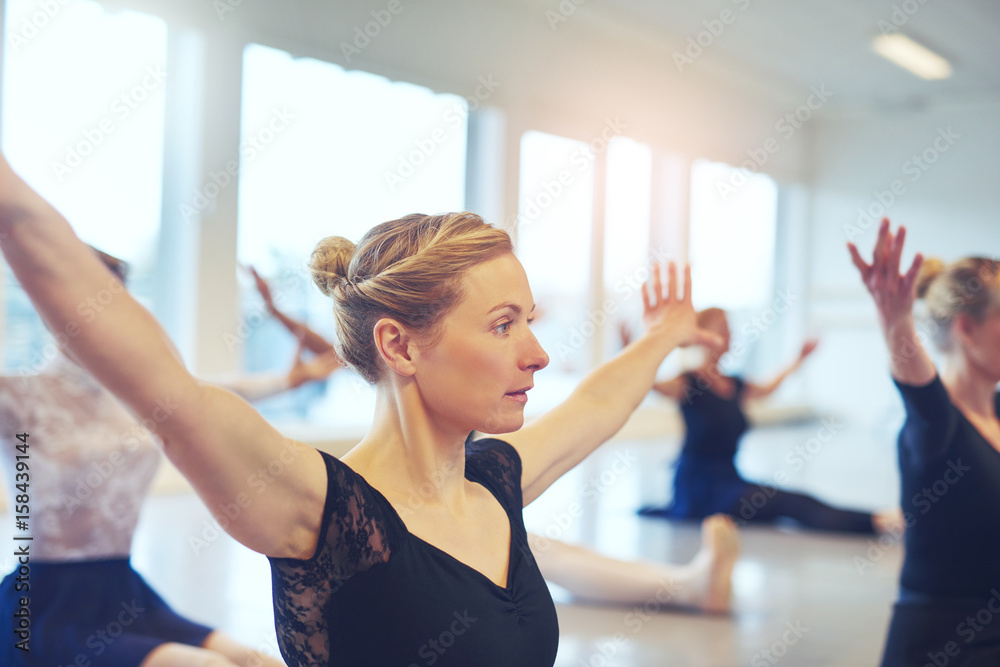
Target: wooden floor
pixel 800 598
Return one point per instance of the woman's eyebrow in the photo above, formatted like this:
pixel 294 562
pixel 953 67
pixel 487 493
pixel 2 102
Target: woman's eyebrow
pixel 513 306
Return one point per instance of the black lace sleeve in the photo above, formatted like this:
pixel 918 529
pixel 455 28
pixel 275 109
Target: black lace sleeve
pixel 353 538
pixel 496 465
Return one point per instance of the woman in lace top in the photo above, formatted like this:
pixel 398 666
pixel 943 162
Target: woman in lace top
pixel 434 311
pixel 91 466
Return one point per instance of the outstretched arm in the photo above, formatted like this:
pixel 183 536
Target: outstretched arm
pixel 753 390
pixel 894 295
pixel 673 388
pixel 215 438
pixel 258 386
pixel 560 439
pixel 312 340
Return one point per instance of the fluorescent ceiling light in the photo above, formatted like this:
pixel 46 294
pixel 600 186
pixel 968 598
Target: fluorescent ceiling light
pixel 911 56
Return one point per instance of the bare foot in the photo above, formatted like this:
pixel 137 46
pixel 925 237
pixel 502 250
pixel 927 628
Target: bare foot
pixel 889 522
pixel 720 547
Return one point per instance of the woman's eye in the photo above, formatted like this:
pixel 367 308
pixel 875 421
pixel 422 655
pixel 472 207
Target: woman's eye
pixel 502 328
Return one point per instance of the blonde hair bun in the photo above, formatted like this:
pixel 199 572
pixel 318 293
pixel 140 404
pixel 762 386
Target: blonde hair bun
pixel 931 268
pixel 330 263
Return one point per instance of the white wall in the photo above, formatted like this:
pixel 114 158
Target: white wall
pixel 950 210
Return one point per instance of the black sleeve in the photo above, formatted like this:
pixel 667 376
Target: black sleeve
pixel 497 465
pixel 931 419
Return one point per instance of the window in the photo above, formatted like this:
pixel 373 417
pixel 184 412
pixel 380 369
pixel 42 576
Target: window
pixel 555 218
pixel 83 118
pixel 732 232
pixel 325 152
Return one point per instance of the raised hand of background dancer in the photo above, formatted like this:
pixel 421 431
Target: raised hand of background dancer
pixel 317 368
pixel 808 347
pixel 667 313
pixel 313 342
pixel 894 295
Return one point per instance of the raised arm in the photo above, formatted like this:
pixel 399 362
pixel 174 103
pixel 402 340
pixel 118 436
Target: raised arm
pixel 754 390
pixel 312 340
pixel 560 439
pixel 258 386
pixel 215 438
pixel 894 295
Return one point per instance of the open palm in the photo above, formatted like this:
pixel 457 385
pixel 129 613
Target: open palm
pixel 664 312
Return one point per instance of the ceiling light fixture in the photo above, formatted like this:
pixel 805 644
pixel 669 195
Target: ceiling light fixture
pixel 912 57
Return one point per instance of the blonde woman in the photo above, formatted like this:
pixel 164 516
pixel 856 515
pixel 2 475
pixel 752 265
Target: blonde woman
pixel 948 611
pixel 434 311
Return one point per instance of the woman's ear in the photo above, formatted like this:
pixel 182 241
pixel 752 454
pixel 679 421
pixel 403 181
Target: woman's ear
pixel 394 344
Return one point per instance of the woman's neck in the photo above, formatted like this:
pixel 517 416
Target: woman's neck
pixel 409 450
pixel 969 386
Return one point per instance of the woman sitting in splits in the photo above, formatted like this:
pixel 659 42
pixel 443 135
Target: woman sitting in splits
pixel 432 310
pixel 706 480
pixel 91 465
pixel 948 612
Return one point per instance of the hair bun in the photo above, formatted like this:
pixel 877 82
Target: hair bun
pixel 330 262
pixel 929 270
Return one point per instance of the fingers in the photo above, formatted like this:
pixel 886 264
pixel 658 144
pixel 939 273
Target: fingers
pixel 672 282
pixel 881 245
pixel 658 284
pixel 646 303
pixel 862 265
pixel 896 252
pixel 687 283
pixel 910 279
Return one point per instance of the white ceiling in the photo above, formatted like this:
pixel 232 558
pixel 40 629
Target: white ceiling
pixel 802 43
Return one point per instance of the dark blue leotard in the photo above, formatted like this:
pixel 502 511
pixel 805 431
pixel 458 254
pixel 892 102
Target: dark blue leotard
pixel 948 611
pixel 707 482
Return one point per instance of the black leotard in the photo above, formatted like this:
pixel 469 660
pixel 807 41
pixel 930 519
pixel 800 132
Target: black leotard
pixel 950 582
pixel 375 595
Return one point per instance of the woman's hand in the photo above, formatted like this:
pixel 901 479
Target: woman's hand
pixel 808 348
pixel 318 368
pixel 262 287
pixel 664 313
pixel 893 293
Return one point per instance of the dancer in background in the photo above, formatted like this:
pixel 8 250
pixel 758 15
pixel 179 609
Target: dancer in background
pixel 90 466
pixel 433 311
pixel 706 480
pixel 948 611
